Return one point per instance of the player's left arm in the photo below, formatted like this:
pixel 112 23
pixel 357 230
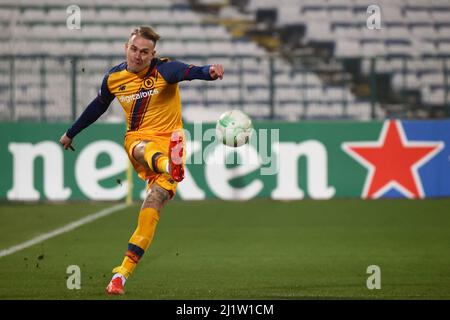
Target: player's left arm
pixel 176 71
pixel 216 71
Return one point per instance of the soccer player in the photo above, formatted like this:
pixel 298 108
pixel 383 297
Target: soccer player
pixel 147 88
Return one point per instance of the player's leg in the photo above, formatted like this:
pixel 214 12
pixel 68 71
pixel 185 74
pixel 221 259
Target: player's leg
pixel 149 153
pixel 142 237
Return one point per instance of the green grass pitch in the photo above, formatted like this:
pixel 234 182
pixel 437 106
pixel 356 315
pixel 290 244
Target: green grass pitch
pixel 257 249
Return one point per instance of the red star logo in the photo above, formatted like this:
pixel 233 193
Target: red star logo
pixel 393 161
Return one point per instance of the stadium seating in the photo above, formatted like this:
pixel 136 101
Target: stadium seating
pixel 410 29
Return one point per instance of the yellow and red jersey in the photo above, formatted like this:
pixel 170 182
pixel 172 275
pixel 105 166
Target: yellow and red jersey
pixel 150 99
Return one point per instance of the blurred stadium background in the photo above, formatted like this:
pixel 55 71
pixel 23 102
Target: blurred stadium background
pixel 288 64
pixel 287 60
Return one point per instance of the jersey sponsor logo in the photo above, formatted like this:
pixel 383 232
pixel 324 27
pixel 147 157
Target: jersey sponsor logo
pixel 136 96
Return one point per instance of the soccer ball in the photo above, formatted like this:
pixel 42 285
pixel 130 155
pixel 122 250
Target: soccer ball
pixel 234 128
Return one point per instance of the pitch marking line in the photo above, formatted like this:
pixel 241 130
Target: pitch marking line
pixel 68 227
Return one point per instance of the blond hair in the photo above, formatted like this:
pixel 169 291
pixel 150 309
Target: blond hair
pixel 146 33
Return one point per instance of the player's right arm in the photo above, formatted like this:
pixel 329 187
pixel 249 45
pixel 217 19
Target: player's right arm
pixel 93 111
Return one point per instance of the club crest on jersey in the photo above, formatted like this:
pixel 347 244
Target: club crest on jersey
pixel 148 83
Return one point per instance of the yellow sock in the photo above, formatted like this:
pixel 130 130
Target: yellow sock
pixel 156 160
pixel 147 221
pixel 126 268
pixel 139 241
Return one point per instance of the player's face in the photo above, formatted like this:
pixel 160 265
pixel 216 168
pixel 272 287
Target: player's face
pixel 139 52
